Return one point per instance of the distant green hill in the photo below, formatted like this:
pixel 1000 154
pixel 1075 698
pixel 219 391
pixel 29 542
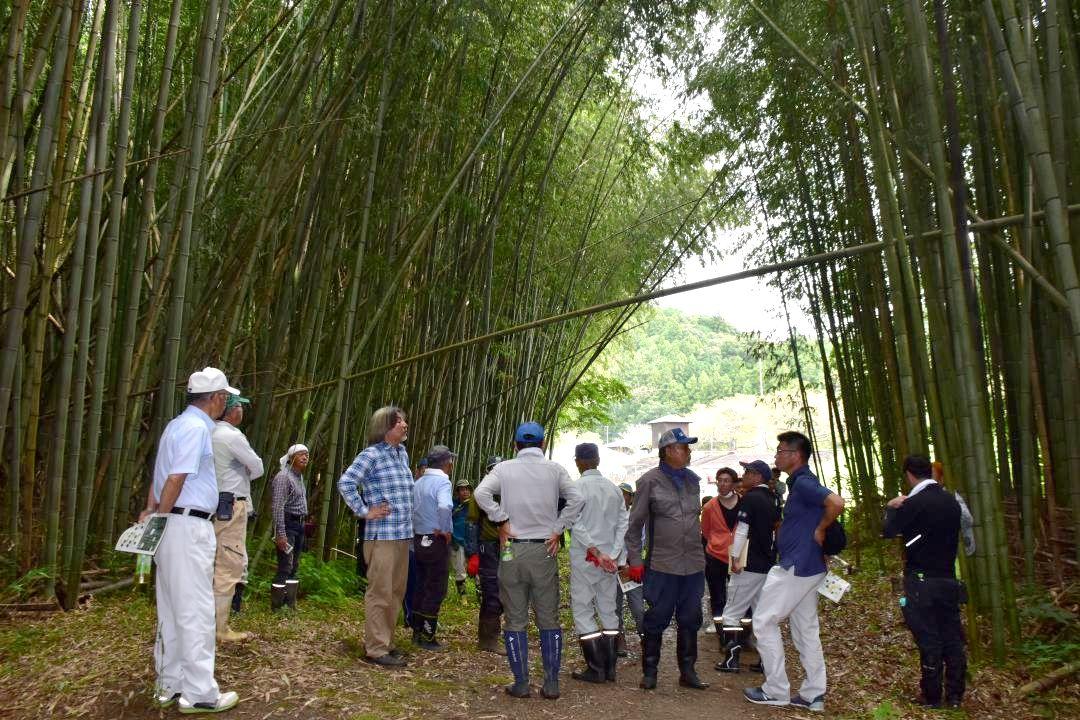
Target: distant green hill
pixel 676 361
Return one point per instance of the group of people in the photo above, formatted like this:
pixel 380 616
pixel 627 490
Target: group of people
pixel 652 547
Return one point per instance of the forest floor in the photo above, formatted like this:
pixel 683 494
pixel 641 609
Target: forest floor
pixel 97 663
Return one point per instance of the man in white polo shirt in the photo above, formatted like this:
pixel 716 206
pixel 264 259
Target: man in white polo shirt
pixel 185 489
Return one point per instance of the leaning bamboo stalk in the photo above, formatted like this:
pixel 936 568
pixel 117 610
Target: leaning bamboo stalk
pixel 1028 115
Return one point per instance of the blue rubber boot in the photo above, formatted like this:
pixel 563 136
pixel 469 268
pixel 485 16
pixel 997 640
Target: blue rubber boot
pixel 517 654
pixel 551 652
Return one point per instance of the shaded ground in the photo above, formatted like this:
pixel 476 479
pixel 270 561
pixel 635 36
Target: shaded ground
pixel 96 663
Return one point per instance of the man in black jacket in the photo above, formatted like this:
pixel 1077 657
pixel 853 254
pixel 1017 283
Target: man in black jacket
pixel 928 518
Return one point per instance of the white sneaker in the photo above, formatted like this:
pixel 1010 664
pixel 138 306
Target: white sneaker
pixel 225 701
pixel 165 699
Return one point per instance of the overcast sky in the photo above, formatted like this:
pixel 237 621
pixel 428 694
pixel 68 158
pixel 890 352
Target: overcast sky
pixel 749 305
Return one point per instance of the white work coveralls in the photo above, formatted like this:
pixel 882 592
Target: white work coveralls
pixel 602 524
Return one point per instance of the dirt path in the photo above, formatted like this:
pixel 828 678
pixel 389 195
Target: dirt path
pixel 97 663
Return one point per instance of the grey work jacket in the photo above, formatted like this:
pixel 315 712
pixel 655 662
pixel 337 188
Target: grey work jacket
pixel 672 517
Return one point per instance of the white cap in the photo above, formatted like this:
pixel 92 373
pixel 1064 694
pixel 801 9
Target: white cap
pixel 209 379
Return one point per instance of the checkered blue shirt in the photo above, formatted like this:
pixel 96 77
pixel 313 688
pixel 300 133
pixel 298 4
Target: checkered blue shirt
pixel 381 474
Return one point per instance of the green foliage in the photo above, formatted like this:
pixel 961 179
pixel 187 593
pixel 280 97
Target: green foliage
pixel 676 361
pixel 886 711
pixel 26 586
pixel 331 584
pixel 589 403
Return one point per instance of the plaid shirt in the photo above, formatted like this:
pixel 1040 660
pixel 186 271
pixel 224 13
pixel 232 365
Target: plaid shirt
pixel 289 498
pixel 381 474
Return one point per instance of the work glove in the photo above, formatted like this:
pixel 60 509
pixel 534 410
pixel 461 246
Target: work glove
pixel 473 567
pixel 636 573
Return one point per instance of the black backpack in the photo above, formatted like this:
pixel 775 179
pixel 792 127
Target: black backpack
pixel 835 539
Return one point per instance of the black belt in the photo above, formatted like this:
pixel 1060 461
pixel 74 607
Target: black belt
pixel 240 497
pixel 529 540
pixel 201 514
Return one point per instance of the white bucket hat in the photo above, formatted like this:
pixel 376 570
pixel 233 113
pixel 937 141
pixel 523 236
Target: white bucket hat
pixel 209 379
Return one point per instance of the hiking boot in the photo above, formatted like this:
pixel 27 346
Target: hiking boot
pixel 815 705
pixel 225 701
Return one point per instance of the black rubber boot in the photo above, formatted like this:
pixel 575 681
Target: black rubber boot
pixel 650 659
pixel 488 635
pixel 277 597
pixel 720 635
pixel 620 645
pixel 591 649
pixel 686 652
pixel 238 597
pixel 460 584
pixel 292 589
pixel 732 644
pixel 611 657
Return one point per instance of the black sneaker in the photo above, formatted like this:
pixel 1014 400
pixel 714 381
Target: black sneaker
pixel 387 660
pixel 758 696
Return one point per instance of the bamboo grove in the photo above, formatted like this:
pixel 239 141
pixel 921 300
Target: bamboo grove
pixel 948 131
pixel 298 192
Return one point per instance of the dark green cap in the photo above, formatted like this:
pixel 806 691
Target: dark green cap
pixel 233 400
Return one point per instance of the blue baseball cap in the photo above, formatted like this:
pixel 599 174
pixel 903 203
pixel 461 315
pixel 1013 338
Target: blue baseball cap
pixel 676 436
pixel 760 467
pixel 529 432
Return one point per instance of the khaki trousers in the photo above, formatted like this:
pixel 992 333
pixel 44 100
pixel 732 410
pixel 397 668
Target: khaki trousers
pixel 387 573
pixel 230 561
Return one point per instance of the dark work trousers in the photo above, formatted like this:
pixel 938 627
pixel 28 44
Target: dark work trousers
pixel 932 613
pixel 410 590
pixel 432 573
pixel 488 575
pixel 716 575
pixel 677 596
pixel 289 563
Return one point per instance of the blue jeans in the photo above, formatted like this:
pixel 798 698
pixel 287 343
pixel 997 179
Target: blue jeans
pixel 677 596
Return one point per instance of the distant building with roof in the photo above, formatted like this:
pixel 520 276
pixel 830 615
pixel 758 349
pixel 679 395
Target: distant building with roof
pixel 661 425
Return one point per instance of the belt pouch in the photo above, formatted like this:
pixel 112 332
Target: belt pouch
pixel 225 505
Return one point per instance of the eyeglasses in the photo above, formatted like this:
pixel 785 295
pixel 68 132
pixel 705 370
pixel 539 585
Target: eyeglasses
pixel 784 452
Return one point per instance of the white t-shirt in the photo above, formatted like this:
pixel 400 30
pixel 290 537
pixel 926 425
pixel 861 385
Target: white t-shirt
pixel 185 448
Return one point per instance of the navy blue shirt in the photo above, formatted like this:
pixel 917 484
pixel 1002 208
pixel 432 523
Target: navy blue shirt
pixel 802 513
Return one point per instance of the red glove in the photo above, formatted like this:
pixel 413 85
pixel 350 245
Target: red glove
pixel 473 567
pixel 592 557
pixel 636 573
